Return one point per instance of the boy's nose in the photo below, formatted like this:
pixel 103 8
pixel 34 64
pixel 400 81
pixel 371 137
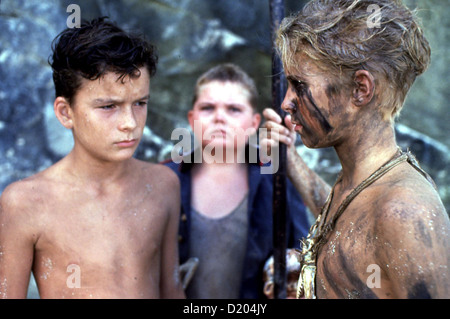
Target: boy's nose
pixel 219 115
pixel 127 119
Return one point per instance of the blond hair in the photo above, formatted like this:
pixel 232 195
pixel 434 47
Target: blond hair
pixel 341 36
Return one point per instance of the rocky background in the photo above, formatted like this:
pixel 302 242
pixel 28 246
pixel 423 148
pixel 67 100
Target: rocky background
pixel 191 36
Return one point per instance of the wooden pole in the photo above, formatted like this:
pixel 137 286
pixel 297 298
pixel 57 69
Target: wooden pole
pixel 279 189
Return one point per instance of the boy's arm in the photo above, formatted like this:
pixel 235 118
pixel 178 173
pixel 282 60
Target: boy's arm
pixel 170 283
pixel 16 245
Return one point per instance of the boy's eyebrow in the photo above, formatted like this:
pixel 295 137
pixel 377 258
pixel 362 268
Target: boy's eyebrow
pixel 290 78
pixel 106 101
pixel 117 101
pixel 293 79
pixel 145 97
pixel 235 104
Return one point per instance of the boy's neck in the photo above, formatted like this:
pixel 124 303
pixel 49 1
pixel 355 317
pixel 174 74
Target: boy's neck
pixel 94 171
pixel 364 153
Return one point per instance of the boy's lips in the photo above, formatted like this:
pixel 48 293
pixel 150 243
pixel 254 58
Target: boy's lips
pixel 296 124
pixel 223 132
pixel 127 143
pixel 217 133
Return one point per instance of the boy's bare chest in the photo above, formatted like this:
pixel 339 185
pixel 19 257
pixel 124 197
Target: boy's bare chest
pixel 99 227
pixel 344 261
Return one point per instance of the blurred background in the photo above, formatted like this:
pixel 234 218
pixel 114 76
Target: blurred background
pixel 191 36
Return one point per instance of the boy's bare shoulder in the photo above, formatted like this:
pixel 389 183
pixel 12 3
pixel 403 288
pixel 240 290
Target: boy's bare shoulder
pixel 22 204
pixel 158 173
pixel 162 181
pixel 409 209
pixel 408 192
pixel 412 233
pixel 27 193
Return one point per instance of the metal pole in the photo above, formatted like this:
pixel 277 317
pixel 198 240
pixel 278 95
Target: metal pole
pixel 279 185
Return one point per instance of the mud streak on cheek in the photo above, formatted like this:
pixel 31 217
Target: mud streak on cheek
pixel 313 110
pixel 301 118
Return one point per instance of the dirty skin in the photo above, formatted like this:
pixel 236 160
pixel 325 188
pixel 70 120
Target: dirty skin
pixel 309 108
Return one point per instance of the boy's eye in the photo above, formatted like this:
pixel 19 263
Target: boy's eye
pixel 299 87
pixel 107 107
pixel 234 109
pixel 207 108
pixel 142 103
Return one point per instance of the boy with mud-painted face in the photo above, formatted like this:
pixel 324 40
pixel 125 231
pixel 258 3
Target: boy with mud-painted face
pixel 382 230
pixel 98 223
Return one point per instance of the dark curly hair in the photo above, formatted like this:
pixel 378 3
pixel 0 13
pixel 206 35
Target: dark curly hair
pixel 97 47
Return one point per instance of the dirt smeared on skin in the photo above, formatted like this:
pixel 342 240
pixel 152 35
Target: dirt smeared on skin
pixel 309 107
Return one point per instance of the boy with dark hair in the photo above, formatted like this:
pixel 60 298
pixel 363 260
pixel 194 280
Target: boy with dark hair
pixel 98 223
pixel 382 230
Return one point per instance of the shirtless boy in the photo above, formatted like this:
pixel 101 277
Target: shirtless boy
pixel 347 83
pixel 99 223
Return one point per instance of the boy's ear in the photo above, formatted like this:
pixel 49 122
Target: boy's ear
pixel 63 112
pixel 364 88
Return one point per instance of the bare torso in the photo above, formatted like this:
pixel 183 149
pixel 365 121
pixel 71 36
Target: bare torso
pixel 391 242
pixel 99 242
